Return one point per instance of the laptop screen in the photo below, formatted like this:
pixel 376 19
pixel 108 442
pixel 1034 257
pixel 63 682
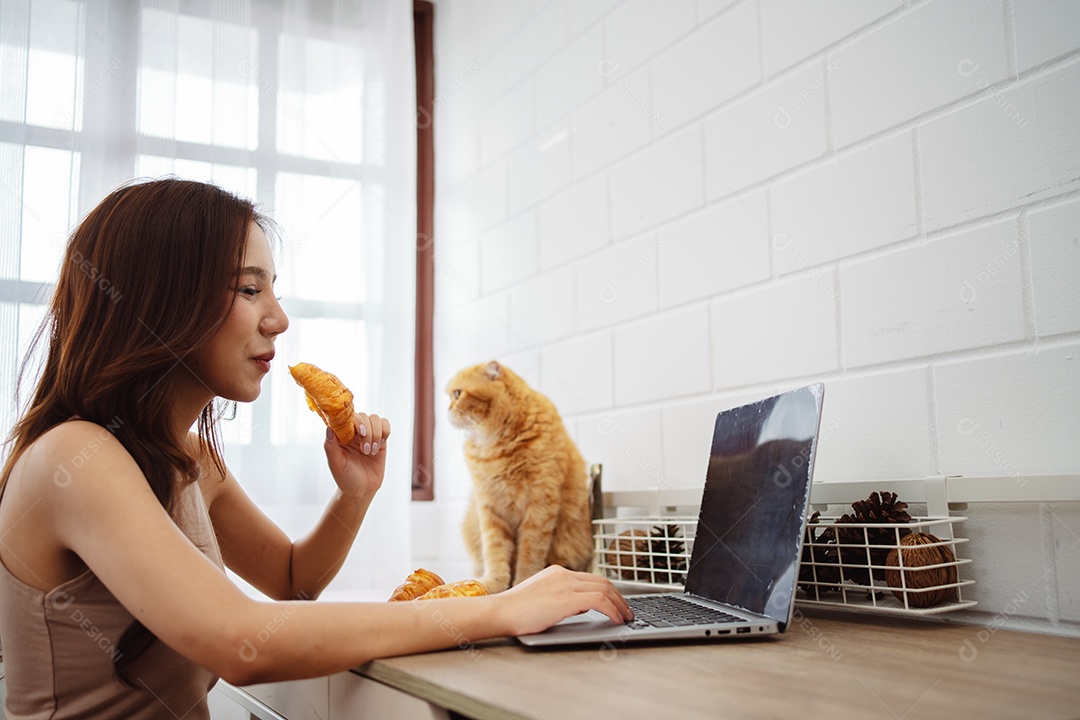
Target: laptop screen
pixel 753 510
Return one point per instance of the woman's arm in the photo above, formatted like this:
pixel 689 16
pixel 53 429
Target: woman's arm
pixel 109 517
pixel 257 550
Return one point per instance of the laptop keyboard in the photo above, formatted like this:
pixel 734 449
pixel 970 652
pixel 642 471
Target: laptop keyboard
pixel 673 611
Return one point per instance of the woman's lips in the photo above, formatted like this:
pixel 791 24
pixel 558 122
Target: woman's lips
pixel 263 361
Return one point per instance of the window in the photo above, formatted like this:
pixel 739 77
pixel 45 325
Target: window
pixel 302 108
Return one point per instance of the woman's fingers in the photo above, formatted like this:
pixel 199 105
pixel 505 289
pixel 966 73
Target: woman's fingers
pixel 371 433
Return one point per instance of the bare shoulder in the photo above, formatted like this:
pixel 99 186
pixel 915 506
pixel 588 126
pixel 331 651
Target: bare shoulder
pixel 51 486
pixel 58 456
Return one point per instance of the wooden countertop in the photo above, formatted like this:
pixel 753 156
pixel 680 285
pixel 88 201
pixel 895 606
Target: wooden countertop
pixel 828 665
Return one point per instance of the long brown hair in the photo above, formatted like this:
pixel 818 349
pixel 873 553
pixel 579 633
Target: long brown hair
pixel 143 284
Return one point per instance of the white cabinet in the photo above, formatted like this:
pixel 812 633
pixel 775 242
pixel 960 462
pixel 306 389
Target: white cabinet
pixel 344 696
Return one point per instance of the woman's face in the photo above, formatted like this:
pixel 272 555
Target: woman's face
pixel 235 360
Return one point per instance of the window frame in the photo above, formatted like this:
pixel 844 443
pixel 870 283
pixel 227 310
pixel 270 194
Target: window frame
pixel 423 484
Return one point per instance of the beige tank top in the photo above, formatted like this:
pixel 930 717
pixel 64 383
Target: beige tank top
pixel 58 646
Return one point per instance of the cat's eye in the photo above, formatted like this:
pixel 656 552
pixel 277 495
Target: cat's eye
pixel 457 394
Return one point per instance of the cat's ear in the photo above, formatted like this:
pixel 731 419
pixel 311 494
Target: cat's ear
pixel 492 370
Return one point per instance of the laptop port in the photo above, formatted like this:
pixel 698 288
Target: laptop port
pixel 743 630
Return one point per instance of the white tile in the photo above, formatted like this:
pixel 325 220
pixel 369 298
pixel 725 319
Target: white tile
pixel 457 275
pixel 846 206
pixel 469 83
pixel 574 223
pixel 784 330
pixel 1012 415
pixel 584 14
pixel 617 284
pixel 507 123
pixel 1007 150
pixel 793 30
pixel 639 29
pixel 457 63
pixel 539 168
pixel 611 125
pixel 489 24
pixel 452 478
pixel 542 310
pixel 1045 29
pixel 706 9
pixel 569 78
pixel 628 444
pixel 526 364
pixel 723 247
pixel 688 432
pixel 721 56
pixel 473 206
pixel 545 30
pixel 656 184
pixel 1005 545
pixel 915 63
pixel 576 374
pixel 470 334
pixel 875 427
pixel 508 253
pixel 1054 240
pixel 665 356
pixel 766 133
pixel 957 292
pixel 458 140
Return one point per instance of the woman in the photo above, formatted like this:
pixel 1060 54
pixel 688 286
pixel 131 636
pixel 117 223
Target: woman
pixel 116 520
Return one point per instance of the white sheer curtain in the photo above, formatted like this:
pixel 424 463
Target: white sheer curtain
pixel 306 107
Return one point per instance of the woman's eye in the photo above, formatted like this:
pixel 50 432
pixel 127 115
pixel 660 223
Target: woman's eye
pixel 249 291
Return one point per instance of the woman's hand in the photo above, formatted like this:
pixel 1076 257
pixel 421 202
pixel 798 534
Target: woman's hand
pixel 556 593
pixel 358 467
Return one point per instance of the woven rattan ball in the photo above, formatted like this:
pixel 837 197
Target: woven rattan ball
pixel 918 551
pixel 630 554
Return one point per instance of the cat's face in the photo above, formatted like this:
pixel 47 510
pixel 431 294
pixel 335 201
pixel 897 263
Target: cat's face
pixel 474 394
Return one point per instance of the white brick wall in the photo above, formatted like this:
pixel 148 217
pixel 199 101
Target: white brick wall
pixel 656 210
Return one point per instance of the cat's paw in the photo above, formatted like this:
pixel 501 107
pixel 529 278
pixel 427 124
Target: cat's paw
pixel 495 584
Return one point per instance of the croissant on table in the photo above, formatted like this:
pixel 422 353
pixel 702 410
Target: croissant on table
pixel 327 396
pixel 418 583
pixel 461 588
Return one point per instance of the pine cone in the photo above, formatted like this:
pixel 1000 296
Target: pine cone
pixel 878 508
pixel 662 546
pixel 824 558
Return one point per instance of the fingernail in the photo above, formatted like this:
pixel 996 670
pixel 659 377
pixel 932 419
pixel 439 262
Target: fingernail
pixel 374 448
pixel 363 431
pixel 367 447
pixel 329 434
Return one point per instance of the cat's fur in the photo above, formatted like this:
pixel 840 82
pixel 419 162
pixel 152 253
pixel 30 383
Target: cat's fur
pixel 529 506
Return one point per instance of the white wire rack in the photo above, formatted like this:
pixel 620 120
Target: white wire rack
pixel 848 565
pixel 847 571
pixel 649 552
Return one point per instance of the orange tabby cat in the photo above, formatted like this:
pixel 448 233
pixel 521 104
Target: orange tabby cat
pixel 529 506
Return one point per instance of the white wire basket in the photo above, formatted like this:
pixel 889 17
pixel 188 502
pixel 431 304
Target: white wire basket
pixel 868 566
pixel 649 552
pixel 847 568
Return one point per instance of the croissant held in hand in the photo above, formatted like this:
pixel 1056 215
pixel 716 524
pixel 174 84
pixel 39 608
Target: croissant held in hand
pixel 461 588
pixel 327 396
pixel 416 585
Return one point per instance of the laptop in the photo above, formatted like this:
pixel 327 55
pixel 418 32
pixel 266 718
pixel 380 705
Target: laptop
pixel 748 543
